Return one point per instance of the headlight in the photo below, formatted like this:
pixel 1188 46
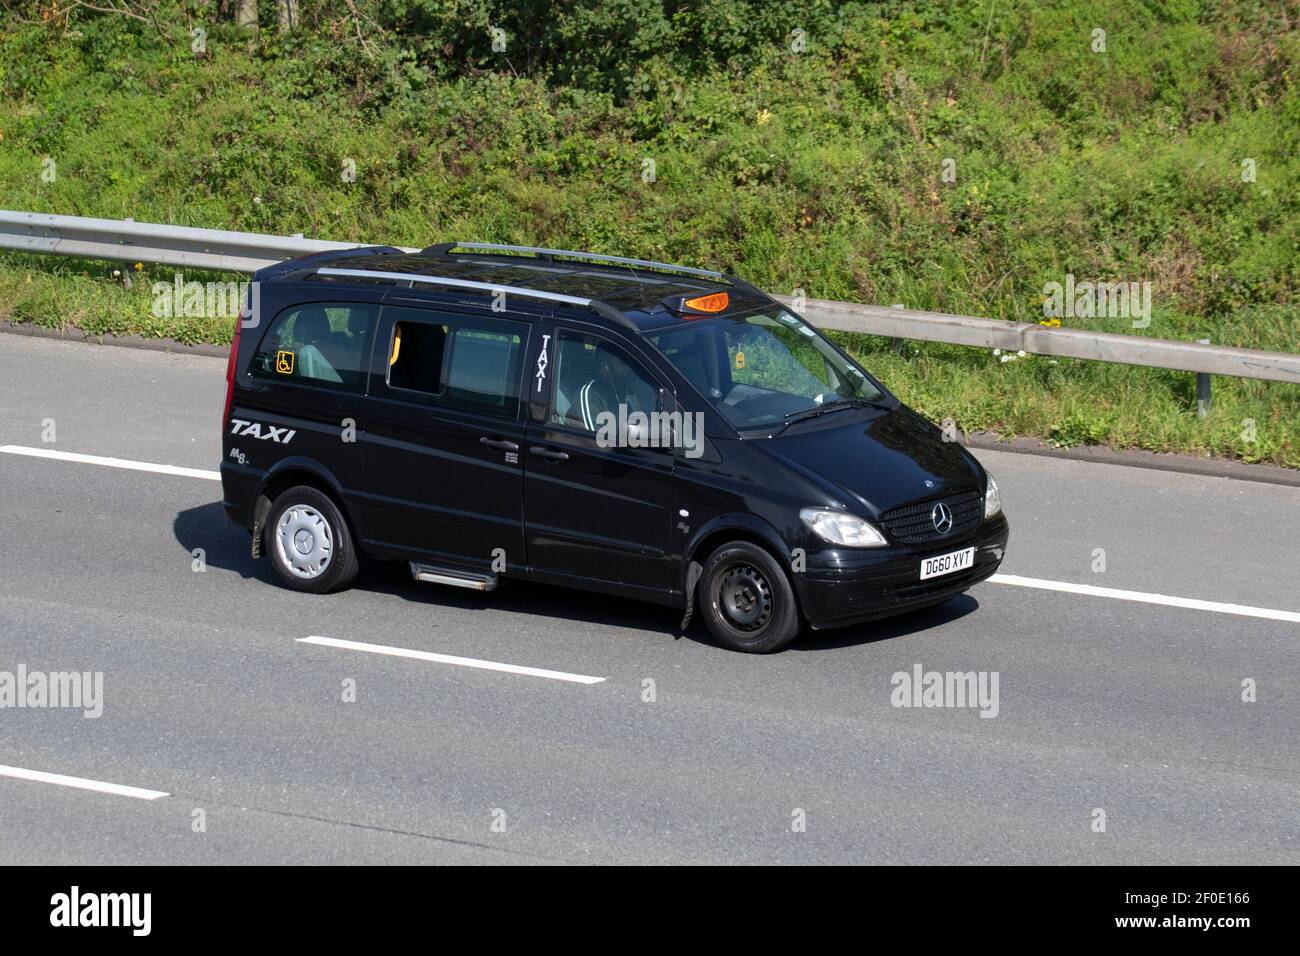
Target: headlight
pixel 992 501
pixel 840 528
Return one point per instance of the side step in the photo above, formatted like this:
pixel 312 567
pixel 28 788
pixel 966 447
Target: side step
pixel 457 579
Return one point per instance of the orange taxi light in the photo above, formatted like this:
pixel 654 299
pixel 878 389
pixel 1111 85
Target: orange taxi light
pixel 713 302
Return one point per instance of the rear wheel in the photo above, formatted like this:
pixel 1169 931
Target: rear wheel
pixel 746 599
pixel 309 542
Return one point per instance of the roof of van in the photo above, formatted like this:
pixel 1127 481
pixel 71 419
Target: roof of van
pixel 637 292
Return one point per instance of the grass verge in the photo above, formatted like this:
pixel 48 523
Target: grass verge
pixel 1066 402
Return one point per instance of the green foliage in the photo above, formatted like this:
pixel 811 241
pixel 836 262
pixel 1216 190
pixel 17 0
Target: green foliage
pixel 821 169
pixel 1079 428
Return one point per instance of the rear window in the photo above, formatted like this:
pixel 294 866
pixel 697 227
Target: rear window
pixel 321 344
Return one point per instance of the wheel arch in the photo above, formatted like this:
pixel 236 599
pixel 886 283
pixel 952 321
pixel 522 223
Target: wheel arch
pixel 290 472
pixel 732 527
pixel 728 527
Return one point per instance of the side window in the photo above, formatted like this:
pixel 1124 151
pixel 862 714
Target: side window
pixel 325 343
pixel 469 363
pixel 593 376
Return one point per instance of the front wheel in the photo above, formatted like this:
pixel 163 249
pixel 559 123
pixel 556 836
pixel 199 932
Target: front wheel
pixel 309 542
pixel 747 601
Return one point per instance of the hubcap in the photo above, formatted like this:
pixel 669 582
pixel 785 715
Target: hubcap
pixel 304 541
pixel 745 597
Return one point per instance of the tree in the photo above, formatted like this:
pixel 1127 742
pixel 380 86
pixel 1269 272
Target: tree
pixel 288 14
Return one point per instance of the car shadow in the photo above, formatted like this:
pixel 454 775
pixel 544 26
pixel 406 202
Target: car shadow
pixel 227 548
pixel 224 545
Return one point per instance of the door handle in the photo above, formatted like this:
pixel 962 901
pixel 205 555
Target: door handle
pixel 498 444
pixel 550 454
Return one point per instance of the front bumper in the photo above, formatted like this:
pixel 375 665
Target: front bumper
pixel 848 586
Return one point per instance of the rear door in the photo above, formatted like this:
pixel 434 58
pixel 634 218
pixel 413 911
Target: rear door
pixel 443 449
pixel 304 391
pixel 595 507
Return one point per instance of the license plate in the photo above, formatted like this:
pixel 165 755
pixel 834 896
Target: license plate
pixel 947 563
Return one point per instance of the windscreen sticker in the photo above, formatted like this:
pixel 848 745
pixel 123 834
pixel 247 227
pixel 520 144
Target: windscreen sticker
pixel 284 362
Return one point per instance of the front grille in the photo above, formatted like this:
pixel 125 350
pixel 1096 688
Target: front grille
pixel 912 524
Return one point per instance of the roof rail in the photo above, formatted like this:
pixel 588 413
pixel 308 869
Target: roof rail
pixel 312 259
pixel 459 283
pixel 602 308
pixel 446 249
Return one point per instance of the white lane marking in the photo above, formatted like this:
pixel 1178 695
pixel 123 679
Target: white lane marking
pixel 81 783
pixel 110 462
pixel 1220 607
pixel 1244 610
pixel 449 659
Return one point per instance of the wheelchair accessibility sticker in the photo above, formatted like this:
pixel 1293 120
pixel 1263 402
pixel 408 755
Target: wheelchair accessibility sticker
pixel 284 363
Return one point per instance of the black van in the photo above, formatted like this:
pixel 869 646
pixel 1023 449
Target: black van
pixel 648 430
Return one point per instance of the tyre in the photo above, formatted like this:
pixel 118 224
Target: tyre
pixel 309 542
pixel 746 599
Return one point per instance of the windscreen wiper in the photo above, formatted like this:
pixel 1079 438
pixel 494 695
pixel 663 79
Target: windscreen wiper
pixel 838 404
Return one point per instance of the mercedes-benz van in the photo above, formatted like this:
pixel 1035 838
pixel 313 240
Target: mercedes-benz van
pixel 653 431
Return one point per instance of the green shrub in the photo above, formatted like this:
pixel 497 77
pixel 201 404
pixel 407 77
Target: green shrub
pixel 822 170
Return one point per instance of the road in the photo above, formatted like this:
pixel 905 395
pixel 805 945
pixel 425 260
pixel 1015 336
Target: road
pixel 211 697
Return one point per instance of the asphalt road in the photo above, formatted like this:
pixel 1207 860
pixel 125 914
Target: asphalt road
pixel 1124 706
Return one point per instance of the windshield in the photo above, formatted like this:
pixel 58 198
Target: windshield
pixel 759 369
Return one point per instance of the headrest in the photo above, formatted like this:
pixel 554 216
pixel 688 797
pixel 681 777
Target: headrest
pixel 358 320
pixel 611 367
pixel 312 325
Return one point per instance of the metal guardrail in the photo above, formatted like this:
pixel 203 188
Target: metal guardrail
pixel 246 252
pixel 1059 342
pixel 131 241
